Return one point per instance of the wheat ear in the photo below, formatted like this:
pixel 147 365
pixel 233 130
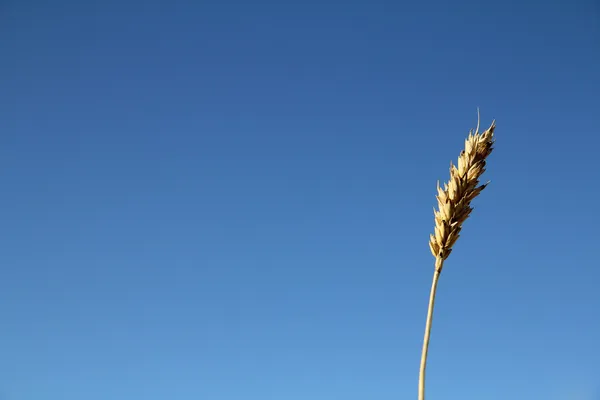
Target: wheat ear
pixel 454 207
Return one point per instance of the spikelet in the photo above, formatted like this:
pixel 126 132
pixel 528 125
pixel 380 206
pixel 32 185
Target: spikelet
pixel 454 199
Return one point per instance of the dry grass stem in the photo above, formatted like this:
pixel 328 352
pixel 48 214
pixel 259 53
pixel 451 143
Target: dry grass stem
pixel 454 207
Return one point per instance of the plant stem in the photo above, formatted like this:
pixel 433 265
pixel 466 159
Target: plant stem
pixel 439 262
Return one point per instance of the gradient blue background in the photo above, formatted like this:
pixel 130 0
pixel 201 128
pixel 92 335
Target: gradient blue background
pixel 232 200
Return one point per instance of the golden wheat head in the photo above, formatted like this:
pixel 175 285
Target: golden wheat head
pixel 454 199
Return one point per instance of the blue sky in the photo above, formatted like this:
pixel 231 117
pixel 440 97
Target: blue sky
pixel 232 200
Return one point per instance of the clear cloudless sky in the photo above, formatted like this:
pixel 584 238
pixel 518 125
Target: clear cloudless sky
pixel 231 200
